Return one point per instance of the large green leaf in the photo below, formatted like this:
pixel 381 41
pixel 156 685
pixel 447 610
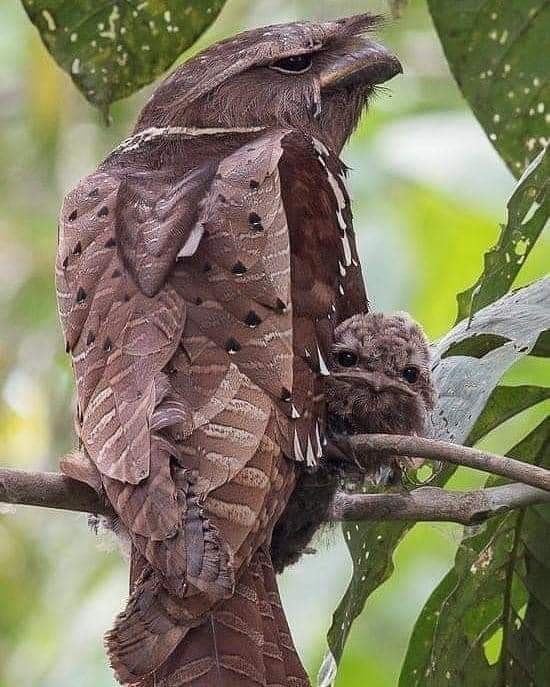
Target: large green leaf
pixel 504 403
pixel 474 355
pixel 111 48
pixel 495 49
pixel 488 622
pixel 465 384
pixel 528 212
pixel 371 547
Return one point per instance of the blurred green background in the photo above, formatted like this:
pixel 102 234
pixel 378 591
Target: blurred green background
pixel 429 195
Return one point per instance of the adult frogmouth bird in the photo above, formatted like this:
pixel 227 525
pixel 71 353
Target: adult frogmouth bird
pixel 201 272
pixel 380 382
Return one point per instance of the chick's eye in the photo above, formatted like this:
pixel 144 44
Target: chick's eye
pixel 410 374
pixel 295 64
pixel 347 358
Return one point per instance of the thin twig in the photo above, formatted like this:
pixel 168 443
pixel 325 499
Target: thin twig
pixel 419 447
pixel 433 504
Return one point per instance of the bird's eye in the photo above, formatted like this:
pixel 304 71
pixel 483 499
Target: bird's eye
pixel 347 358
pixel 410 374
pixel 295 64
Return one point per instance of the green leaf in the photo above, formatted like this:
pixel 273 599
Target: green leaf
pixel 542 347
pixel 111 49
pixel 495 51
pixel 488 622
pixel 371 548
pixel 504 403
pixel 513 325
pixel 528 212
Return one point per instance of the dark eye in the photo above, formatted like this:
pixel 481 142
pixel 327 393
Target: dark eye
pixel 347 358
pixel 295 64
pixel 410 374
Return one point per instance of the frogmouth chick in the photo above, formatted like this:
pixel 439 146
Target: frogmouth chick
pixel 380 382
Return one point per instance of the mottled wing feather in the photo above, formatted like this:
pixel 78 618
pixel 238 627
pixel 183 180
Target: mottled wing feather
pixel 147 632
pixel 237 284
pixel 149 509
pixel 266 230
pixel 156 221
pixel 246 643
pixel 205 328
pixel 326 280
pixel 86 251
pixel 118 338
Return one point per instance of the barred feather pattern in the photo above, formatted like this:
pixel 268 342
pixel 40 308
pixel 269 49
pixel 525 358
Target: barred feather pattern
pixel 198 288
pixel 246 642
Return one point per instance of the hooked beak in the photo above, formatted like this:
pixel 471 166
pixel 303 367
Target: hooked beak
pixel 375 381
pixel 368 63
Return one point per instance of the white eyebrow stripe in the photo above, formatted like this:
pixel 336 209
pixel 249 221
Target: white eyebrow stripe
pixel 153 132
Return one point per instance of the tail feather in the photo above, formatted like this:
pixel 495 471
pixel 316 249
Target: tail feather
pixel 244 643
pixel 154 622
pixel 161 609
pixel 144 634
pixel 273 653
pixel 294 671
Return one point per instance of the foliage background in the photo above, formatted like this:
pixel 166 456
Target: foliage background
pixel 429 195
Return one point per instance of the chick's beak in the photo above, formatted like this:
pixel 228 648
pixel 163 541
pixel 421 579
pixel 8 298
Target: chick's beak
pixel 368 63
pixel 376 381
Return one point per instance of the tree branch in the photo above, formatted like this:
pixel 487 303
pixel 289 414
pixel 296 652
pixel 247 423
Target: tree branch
pixel 433 504
pixel 50 490
pixel 54 490
pixel 419 447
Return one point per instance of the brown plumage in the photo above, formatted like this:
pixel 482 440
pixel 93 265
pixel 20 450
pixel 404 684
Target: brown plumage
pixel 201 271
pixel 380 381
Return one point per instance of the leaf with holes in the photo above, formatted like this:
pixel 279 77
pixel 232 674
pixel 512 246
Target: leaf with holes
pixel 111 49
pixel 487 624
pixel 371 546
pixel 496 52
pixel 528 212
pixel 467 366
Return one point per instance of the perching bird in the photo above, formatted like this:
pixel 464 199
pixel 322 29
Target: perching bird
pixel 380 382
pixel 201 272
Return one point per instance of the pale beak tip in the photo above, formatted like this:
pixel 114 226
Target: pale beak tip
pixel 396 66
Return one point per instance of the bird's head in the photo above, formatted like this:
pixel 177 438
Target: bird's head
pixel 380 378
pixel 312 76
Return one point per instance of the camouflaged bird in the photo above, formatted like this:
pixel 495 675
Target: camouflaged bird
pixel 201 272
pixel 380 382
